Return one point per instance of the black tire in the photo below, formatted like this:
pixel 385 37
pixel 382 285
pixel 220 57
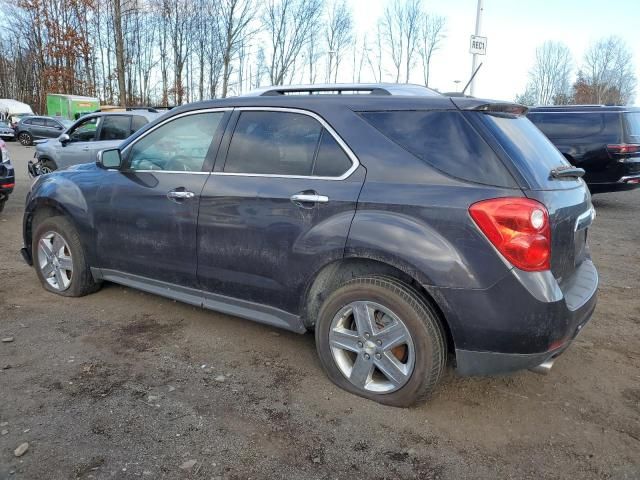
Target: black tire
pixel 421 321
pixel 82 282
pixel 47 164
pixel 25 139
pixel 2 203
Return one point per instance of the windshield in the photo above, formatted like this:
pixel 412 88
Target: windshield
pixel 633 125
pixel 527 146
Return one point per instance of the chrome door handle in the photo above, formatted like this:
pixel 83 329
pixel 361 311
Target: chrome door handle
pixel 180 194
pixel 309 198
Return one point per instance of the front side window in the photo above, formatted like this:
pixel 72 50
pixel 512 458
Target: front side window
pixel 85 131
pixel 137 122
pixel 53 124
pixel 284 143
pixel 39 122
pixel 180 145
pixel 116 127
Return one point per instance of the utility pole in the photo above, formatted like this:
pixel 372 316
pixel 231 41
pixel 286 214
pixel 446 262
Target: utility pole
pixel 474 63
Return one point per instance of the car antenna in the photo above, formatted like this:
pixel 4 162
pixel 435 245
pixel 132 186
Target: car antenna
pixel 471 79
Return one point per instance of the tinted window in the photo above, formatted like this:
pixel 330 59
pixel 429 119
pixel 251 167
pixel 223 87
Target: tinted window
pixel 116 127
pixel 277 143
pixel 52 123
pixel 331 160
pixel 85 131
pixel 38 122
pixel 527 146
pixel 180 145
pixel 444 140
pixel 137 122
pixel 633 125
pixel 569 125
pixel 26 122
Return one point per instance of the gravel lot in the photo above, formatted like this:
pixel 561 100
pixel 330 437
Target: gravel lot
pixel 122 384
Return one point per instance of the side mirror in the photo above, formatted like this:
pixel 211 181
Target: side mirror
pixel 64 139
pixel 109 159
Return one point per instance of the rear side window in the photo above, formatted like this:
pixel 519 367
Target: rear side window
pixel 283 143
pixel 569 125
pixel 527 146
pixel 116 127
pixel 137 122
pixel 445 140
pixel 633 126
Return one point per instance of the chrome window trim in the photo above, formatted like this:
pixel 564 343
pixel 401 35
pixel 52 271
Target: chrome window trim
pixel 355 163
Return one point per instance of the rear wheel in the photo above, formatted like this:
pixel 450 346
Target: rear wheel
pixel 59 259
pixel 2 202
pixel 25 139
pixel 377 338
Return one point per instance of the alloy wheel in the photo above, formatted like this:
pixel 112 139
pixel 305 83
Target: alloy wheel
pixel 55 261
pixel 372 347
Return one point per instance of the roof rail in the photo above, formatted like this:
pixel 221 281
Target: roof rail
pixel 148 109
pixel 344 88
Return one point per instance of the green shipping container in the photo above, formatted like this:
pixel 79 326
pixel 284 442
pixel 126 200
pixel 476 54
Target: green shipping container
pixel 70 106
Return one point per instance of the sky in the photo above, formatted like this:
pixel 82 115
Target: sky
pixel 514 28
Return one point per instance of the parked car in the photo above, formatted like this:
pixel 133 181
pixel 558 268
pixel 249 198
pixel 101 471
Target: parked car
pixel 6 132
pixel 31 128
pixel 602 140
pixel 404 229
pixel 7 175
pixel 81 142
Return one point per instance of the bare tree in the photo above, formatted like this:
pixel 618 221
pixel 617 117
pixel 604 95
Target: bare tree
pixel 290 24
pixel 374 58
pixel 609 71
pixel 393 30
pixel 413 15
pixel 338 34
pixel 431 34
pixel 550 77
pixel 235 18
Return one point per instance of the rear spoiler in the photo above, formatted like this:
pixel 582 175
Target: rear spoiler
pixel 489 106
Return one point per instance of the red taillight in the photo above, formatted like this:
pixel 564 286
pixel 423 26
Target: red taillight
pixel 623 148
pixel 7 185
pixel 518 228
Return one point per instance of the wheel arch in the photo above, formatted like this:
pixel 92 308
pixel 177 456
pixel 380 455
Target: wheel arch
pixel 334 274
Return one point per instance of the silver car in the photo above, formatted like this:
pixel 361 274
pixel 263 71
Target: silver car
pixel 81 142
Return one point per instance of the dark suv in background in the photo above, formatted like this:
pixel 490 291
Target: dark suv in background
pixel 602 140
pixel 406 228
pixel 35 128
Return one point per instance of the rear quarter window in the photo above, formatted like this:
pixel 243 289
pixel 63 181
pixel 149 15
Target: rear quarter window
pixel 632 122
pixel 444 140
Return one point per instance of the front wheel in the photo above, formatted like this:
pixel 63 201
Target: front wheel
pixel 59 258
pixel 25 139
pixel 377 338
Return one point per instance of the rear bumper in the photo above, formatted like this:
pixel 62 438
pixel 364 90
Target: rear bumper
pixel 520 322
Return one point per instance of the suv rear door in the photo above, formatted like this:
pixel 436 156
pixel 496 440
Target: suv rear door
pixel 567 200
pixel 277 207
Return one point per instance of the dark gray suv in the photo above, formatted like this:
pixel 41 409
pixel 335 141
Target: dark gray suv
pixel 35 128
pixel 407 229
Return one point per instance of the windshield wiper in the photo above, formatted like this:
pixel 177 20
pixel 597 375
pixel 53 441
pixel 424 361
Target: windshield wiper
pixel 567 172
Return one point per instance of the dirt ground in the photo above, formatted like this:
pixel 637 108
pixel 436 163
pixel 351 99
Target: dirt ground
pixel 122 384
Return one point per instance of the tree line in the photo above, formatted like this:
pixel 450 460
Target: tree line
pixel 605 76
pixel 168 52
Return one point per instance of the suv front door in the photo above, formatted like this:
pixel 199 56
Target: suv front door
pixel 146 213
pixel 81 137
pixel 277 207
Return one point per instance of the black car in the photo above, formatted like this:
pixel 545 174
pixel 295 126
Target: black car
pixel 7 175
pixel 34 128
pixel 407 230
pixel 602 140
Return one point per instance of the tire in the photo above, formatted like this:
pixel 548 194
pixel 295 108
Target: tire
pixel 25 139
pixel 2 203
pixel 76 281
pixel 47 166
pixel 402 313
